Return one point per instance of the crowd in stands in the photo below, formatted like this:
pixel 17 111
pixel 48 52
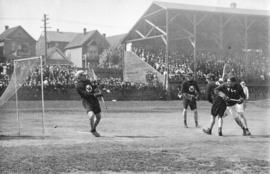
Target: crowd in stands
pixel 256 69
pixel 250 68
pixel 63 77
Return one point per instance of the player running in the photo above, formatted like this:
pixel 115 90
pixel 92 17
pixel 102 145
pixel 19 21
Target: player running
pixel 89 94
pixel 233 94
pixel 218 105
pixel 190 93
pixel 241 107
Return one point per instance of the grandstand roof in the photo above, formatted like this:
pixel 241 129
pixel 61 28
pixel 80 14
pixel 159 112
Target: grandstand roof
pixel 116 40
pixel 58 36
pixel 229 10
pixel 155 18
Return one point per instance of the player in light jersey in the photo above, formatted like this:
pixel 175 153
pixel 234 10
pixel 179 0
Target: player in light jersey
pixel 242 107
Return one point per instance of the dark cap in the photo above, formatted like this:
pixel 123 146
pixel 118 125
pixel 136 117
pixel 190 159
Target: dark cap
pixel 233 79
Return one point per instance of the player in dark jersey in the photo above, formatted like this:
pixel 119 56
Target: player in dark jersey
pixel 218 105
pixel 233 93
pixel 89 94
pixel 190 93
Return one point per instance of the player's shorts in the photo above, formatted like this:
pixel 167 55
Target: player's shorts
pixel 233 110
pixel 191 103
pixel 240 107
pixel 90 107
pixel 219 107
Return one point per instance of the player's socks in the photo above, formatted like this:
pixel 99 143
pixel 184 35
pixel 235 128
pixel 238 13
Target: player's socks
pixel 185 123
pixel 196 124
pixel 239 123
pixel 207 131
pixel 220 131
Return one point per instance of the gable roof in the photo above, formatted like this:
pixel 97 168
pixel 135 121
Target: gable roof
pixel 8 32
pixel 228 10
pixel 58 36
pixel 80 39
pixel 158 6
pixel 54 59
pixel 116 40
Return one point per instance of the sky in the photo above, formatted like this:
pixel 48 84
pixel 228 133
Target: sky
pixel 111 17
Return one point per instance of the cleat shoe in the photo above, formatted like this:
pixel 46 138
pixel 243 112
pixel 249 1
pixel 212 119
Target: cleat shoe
pixel 95 133
pixel 247 132
pixel 244 132
pixel 207 131
pixel 220 132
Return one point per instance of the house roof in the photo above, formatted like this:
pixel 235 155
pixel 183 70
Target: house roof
pixel 8 32
pixel 80 39
pixel 116 39
pixel 54 59
pixel 58 36
pixel 177 6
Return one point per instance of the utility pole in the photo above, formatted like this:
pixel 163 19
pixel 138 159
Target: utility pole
pixel 45 19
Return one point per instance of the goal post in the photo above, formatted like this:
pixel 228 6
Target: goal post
pixel 22 69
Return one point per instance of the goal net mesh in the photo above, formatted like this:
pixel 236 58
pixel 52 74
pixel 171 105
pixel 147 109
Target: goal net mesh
pixel 23 71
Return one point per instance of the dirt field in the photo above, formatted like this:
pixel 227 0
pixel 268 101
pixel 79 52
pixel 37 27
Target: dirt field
pixel 137 136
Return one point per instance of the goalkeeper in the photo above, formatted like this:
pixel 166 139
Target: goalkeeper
pixel 89 94
pixel 190 93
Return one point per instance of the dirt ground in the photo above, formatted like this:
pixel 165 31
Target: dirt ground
pixel 137 137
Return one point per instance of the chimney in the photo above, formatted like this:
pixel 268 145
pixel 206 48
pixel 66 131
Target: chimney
pixel 233 5
pixel 6 27
pixel 104 34
pixel 57 30
pixel 84 30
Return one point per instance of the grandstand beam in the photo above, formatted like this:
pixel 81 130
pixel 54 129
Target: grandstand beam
pixel 221 32
pixel 153 13
pixel 146 38
pixel 149 32
pixel 174 17
pixel 156 27
pixel 201 20
pixel 139 33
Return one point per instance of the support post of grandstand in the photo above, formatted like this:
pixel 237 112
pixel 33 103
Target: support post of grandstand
pixel 17 104
pixel 42 95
